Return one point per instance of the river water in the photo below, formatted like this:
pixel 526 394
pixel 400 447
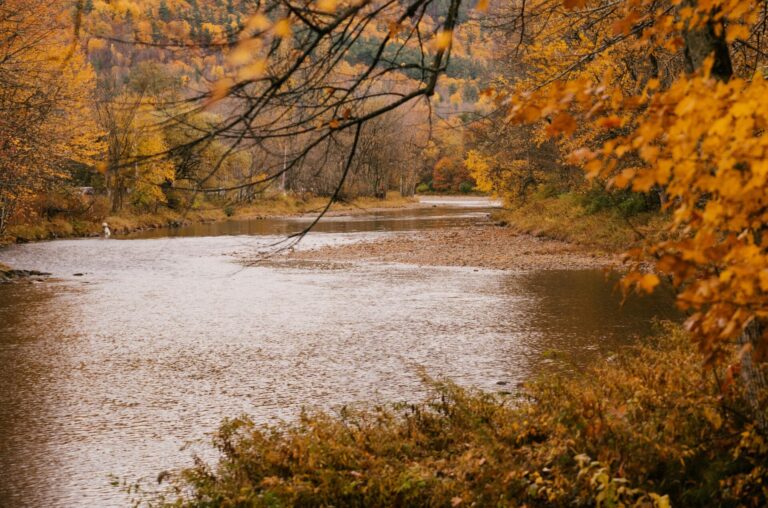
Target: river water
pixel 123 364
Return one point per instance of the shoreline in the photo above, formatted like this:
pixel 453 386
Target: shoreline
pixel 489 245
pixel 485 246
pixel 57 229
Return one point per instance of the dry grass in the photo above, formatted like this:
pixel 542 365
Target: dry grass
pixel 564 218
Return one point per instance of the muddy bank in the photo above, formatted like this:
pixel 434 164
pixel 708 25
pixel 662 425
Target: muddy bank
pixel 486 246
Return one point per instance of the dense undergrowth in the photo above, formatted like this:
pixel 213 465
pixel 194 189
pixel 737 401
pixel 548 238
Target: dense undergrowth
pixel 647 427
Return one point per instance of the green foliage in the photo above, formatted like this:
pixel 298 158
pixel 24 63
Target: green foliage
pixel 423 187
pixel 545 190
pixel 625 203
pixel 564 217
pixel 466 187
pixel 595 200
pixel 164 12
pixel 364 51
pixel 647 428
pixel 229 210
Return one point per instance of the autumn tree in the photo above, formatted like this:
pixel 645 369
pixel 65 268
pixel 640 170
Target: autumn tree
pixel 45 86
pixel 287 78
pixel 667 97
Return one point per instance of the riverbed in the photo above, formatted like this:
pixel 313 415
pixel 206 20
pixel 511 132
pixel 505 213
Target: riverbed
pixel 127 359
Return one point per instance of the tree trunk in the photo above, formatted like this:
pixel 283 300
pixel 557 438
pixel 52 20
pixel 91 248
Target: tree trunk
pixel 753 374
pixel 702 42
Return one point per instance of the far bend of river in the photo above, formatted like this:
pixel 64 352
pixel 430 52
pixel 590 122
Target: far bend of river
pixel 127 369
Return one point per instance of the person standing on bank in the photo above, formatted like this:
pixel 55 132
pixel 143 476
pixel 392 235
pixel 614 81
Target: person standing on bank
pixel 105 230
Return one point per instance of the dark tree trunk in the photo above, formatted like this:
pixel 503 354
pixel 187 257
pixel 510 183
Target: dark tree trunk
pixel 753 374
pixel 702 42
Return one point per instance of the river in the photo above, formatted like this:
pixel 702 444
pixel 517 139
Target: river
pixel 124 363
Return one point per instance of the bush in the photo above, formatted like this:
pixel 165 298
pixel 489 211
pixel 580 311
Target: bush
pixel 633 204
pixel 423 187
pixel 466 187
pixel 229 210
pixel 545 191
pixel 643 429
pixel 626 203
pixel 595 200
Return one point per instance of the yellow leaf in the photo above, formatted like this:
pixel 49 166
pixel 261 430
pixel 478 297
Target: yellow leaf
pixel 326 5
pixel 563 123
pixel 221 89
pixel 283 28
pixel 623 178
pixel 482 5
pixel 648 282
pixel 257 22
pixel 736 31
pixel 581 155
pixel 652 84
pixel 743 109
pixel 254 70
pixel 443 39
pixel 643 181
pixel 244 51
pixel 610 122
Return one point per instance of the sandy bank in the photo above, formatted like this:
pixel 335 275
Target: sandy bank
pixel 484 246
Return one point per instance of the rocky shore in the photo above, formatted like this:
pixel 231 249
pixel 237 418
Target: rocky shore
pixel 486 246
pixel 8 274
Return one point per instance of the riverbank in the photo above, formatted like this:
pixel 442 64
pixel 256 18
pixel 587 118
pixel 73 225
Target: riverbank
pixel 8 274
pixel 566 218
pixel 482 246
pixel 129 222
pixel 629 431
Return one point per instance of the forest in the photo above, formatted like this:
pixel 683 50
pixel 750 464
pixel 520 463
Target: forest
pixel 620 144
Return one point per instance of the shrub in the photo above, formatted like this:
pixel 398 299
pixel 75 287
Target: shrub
pixel 423 187
pixel 466 187
pixel 229 210
pixel 633 204
pixel 643 429
pixel 545 191
pixel 626 203
pixel 595 200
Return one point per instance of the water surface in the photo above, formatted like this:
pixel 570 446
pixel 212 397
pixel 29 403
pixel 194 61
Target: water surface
pixel 126 368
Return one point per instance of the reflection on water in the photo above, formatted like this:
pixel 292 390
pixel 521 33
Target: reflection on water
pixel 386 220
pixel 116 370
pixel 580 313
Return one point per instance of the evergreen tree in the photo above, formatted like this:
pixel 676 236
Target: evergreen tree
pixel 88 6
pixel 164 12
pixel 206 38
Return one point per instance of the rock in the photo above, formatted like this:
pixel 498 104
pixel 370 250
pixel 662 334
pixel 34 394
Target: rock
pixel 8 274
